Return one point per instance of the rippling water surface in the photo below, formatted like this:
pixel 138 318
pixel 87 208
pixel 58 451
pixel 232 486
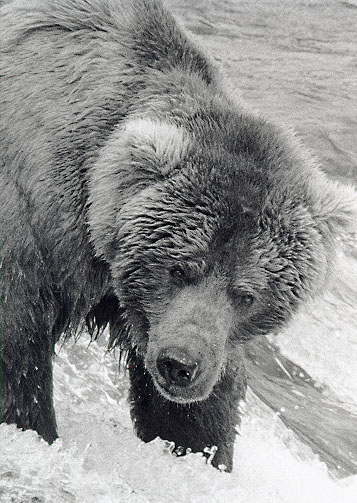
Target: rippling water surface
pixel 294 61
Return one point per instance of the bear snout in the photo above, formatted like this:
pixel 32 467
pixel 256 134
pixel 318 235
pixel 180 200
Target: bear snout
pixel 187 344
pixel 183 373
pixel 177 367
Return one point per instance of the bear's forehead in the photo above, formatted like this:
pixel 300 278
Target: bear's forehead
pixel 228 197
pixel 210 240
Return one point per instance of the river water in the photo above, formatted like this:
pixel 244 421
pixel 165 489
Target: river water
pixel 295 62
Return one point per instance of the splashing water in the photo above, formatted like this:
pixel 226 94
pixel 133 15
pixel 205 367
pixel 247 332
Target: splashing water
pixel 293 61
pixel 99 459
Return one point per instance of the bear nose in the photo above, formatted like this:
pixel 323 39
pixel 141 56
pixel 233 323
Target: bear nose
pixel 177 367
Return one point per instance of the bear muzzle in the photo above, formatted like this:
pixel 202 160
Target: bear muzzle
pixel 187 343
pixel 182 376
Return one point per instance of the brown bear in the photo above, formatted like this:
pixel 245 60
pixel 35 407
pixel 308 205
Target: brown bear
pixel 137 193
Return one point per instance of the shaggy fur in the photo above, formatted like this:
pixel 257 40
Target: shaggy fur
pixel 136 192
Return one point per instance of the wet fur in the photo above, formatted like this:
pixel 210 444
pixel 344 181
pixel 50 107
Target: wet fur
pixel 88 87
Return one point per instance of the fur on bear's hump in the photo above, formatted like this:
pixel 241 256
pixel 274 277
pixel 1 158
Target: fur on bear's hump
pixel 335 206
pixel 139 153
pixel 70 15
pixel 298 178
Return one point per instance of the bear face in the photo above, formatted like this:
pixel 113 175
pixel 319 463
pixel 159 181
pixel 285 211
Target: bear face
pixel 211 248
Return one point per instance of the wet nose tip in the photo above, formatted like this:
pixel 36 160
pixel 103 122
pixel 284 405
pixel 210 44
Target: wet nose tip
pixel 177 367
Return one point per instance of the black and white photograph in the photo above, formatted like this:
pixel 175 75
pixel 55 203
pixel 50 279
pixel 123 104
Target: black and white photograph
pixel 178 243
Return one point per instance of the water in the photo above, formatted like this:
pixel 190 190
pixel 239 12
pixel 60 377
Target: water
pixel 295 61
pixel 99 459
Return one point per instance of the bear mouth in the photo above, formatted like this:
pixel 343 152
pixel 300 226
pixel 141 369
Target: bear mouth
pixel 180 394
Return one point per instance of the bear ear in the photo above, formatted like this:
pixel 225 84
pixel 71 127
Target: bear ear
pixel 335 207
pixel 138 153
pixel 155 144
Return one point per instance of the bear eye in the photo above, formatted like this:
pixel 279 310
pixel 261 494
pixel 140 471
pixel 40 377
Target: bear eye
pixel 177 272
pixel 245 299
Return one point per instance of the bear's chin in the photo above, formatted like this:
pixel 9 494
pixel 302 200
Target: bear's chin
pixel 182 395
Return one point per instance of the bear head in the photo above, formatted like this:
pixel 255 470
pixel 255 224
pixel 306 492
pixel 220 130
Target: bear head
pixel 215 230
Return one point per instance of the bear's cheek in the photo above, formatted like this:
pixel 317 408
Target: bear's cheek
pixel 187 348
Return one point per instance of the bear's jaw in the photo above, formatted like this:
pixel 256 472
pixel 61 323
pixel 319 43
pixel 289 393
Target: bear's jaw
pixel 197 392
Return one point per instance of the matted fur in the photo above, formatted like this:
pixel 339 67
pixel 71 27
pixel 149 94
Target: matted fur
pixel 137 193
